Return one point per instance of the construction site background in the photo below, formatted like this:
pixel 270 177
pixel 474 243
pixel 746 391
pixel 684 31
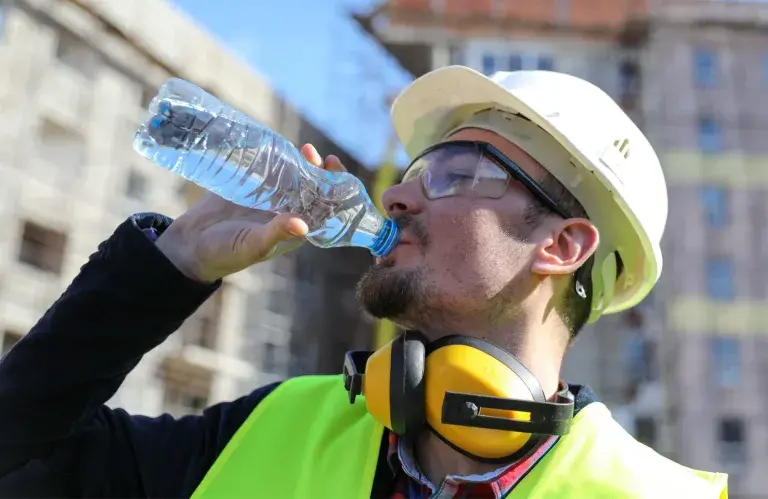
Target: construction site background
pixel 76 78
pixel 684 371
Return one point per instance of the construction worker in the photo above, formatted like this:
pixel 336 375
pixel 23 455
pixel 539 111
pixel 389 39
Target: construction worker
pixel 533 206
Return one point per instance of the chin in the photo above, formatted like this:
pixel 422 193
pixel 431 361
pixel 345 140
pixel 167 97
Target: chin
pixel 387 292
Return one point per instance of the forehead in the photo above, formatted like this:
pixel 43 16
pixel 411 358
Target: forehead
pixel 509 149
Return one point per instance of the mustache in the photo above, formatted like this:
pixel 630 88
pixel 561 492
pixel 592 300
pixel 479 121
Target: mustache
pixel 415 227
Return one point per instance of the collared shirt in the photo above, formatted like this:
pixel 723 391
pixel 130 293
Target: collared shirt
pixel 410 483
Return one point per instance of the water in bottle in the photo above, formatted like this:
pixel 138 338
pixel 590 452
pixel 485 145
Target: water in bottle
pixel 195 135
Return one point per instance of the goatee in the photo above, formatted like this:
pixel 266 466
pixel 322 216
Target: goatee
pixel 389 293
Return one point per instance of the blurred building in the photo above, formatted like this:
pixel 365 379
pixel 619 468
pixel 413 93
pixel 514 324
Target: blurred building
pixel 75 82
pixel 684 369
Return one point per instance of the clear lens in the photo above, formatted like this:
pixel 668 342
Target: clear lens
pixel 459 170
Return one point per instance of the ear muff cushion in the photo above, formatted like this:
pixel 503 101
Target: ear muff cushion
pixel 377 383
pixel 497 353
pixel 470 365
pixel 407 390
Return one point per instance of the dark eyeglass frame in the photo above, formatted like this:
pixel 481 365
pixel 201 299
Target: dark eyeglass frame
pixel 509 166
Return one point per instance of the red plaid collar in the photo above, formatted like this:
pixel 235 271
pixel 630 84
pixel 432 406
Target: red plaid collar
pixel 412 484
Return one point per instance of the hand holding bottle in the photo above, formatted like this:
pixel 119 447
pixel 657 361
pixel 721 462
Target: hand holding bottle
pixel 216 238
pixel 194 134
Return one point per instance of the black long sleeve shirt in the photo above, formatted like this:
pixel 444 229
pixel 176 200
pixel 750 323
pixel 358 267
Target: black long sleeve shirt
pixel 57 438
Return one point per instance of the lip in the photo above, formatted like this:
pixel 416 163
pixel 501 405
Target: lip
pixel 405 238
pixel 404 241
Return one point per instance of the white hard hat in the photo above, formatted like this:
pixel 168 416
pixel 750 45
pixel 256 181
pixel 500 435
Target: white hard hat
pixel 610 167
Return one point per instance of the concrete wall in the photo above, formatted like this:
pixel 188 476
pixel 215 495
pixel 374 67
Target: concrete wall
pixel 74 84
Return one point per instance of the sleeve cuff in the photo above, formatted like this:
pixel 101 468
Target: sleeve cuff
pixel 131 259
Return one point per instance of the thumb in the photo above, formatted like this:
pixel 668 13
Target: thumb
pixel 283 227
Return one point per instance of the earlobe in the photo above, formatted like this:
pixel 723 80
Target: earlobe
pixel 568 247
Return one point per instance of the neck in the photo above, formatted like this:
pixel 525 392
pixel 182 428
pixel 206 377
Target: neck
pixel 544 364
pixel 541 354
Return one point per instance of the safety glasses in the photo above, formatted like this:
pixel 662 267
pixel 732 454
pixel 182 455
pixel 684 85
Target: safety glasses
pixel 472 169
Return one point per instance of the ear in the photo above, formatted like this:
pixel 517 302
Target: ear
pixel 571 243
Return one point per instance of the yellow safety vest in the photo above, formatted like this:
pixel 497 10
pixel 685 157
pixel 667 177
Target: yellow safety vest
pixel 305 440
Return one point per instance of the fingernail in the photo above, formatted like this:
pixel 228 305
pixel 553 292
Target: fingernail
pixel 294 231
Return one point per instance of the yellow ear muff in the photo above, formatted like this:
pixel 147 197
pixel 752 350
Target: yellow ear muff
pixel 476 397
pixel 393 384
pixel 376 384
pixel 467 365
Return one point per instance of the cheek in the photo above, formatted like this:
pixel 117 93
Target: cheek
pixel 471 245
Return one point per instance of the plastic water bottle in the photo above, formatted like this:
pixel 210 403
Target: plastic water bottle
pixel 195 135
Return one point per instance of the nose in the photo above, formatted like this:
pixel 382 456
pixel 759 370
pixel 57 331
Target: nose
pixel 403 199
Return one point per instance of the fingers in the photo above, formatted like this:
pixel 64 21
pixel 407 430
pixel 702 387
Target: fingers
pixel 331 163
pixel 284 247
pixel 311 155
pixel 283 227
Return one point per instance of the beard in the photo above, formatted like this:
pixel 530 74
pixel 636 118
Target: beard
pixel 389 293
pixel 410 298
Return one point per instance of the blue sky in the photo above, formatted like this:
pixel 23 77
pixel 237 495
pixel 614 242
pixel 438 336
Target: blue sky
pixel 317 58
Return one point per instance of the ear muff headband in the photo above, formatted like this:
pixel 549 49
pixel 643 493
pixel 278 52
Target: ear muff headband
pixel 476 397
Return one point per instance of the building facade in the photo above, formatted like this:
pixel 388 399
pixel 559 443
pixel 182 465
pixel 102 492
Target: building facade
pixel 681 370
pixel 75 82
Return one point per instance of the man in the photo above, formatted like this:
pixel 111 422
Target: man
pixel 535 206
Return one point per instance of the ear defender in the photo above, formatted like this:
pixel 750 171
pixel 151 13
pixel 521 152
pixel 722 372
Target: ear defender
pixel 392 382
pixel 476 397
